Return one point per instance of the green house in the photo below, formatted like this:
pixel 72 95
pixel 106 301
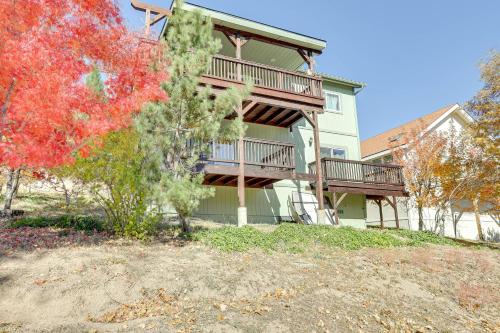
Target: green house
pixel 300 157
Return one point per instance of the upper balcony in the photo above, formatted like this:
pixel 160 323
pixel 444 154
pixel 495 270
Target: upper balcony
pixel 278 62
pixel 267 80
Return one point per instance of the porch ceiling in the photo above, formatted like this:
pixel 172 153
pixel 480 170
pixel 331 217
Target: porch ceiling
pixel 226 174
pixel 262 53
pixel 271 115
pixel 250 26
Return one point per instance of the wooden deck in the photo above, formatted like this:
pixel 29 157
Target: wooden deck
pixel 279 97
pixel 347 176
pixel 266 162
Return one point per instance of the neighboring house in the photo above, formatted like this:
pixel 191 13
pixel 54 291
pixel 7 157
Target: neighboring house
pixel 378 150
pixel 302 131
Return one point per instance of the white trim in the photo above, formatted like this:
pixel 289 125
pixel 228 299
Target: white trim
pixel 464 115
pixel 330 92
pixel 331 147
pixel 324 130
pixel 376 155
pixel 441 118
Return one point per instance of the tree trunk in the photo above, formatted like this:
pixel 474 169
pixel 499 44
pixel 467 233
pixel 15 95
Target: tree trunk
pixel 185 223
pixel 67 195
pixel 67 199
pixel 420 218
pixel 477 214
pixel 455 222
pixel 11 188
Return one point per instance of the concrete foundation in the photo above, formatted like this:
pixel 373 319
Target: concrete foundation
pixel 242 216
pixel 320 213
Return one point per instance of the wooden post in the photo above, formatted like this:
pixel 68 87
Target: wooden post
pixel 310 63
pixel 242 211
pixel 379 203
pixel 238 56
pixel 396 217
pixel 148 22
pixel 335 207
pixel 319 171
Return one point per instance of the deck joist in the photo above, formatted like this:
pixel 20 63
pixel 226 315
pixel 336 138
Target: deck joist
pixel 366 188
pixel 255 177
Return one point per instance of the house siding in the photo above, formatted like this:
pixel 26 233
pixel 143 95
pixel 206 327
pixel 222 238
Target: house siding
pixel 269 205
pixel 408 214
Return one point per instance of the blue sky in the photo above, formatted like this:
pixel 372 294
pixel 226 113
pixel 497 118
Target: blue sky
pixel 415 56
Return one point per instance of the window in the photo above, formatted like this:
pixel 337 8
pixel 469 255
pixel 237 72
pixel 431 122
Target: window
pixel 338 153
pixel 333 152
pixel 332 102
pixel 388 159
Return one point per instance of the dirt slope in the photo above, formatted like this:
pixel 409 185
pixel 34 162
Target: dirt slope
pixel 191 288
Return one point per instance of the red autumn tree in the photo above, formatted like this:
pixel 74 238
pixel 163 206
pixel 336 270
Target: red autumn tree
pixel 47 48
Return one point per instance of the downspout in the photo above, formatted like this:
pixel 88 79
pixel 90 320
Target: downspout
pixel 360 89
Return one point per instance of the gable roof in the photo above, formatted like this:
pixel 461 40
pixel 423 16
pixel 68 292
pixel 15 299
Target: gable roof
pixel 382 141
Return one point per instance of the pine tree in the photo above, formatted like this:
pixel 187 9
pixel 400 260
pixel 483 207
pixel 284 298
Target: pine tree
pixel 94 81
pixel 174 134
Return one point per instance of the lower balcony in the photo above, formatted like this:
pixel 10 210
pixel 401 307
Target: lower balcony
pixel 347 176
pixel 266 162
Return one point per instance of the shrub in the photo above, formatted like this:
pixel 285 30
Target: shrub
pixel 112 171
pixel 85 223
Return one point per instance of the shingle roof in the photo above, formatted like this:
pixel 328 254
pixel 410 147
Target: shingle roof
pixel 382 141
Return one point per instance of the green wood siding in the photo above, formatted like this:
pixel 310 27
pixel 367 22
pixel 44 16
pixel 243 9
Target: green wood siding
pixel 265 206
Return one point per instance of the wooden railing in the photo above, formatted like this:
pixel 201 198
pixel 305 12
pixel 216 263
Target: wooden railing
pixel 264 76
pixel 258 152
pixel 359 172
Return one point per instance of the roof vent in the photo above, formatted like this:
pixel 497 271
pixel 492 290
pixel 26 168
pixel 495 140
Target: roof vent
pixel 395 137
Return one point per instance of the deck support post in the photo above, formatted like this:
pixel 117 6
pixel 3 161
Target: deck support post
pixel 395 206
pixel 319 173
pixel 335 208
pixel 242 210
pixel 379 203
pixel 148 22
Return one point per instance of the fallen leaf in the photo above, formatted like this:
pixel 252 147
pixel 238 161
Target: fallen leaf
pixel 40 282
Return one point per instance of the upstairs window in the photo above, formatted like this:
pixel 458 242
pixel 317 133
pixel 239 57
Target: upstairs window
pixel 333 152
pixel 332 102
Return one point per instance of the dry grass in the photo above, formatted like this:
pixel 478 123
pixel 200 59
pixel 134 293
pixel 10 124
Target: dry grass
pixel 161 287
pixel 474 296
pixel 426 260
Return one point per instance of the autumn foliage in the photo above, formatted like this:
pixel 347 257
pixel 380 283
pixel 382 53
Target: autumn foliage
pixel 421 154
pixel 47 47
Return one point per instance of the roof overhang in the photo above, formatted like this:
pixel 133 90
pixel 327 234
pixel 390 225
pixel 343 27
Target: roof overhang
pixel 342 81
pixel 230 21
